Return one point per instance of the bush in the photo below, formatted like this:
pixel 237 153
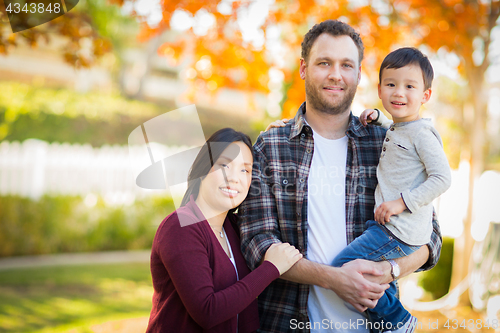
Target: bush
pixel 437 280
pixel 56 224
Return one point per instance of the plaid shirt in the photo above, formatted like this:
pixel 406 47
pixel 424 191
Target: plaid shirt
pixel 275 209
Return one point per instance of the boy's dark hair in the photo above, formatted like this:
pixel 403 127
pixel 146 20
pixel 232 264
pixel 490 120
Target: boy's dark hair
pixel 334 28
pixel 408 56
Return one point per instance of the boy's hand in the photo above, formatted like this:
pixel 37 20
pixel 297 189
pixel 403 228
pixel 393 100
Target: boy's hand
pixel 368 116
pixel 277 123
pixel 389 208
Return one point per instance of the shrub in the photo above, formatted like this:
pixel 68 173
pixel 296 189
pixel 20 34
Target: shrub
pixel 437 280
pixel 56 224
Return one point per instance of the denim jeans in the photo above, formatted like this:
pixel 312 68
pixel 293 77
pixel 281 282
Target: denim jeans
pixel 377 243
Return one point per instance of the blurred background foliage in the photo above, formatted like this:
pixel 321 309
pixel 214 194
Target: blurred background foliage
pixel 64 224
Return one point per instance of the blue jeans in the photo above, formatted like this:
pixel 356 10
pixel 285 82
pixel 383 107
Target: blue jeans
pixel 377 243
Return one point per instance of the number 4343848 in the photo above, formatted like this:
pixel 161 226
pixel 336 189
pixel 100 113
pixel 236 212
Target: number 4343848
pixel 33 8
pixel 471 324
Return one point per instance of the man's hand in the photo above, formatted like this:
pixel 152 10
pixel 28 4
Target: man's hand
pixel 384 212
pixel 367 116
pixel 358 282
pixel 354 288
pixel 381 266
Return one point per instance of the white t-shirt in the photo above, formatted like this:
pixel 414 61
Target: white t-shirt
pixel 326 235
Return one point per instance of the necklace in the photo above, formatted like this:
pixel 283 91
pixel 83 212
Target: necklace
pixel 220 232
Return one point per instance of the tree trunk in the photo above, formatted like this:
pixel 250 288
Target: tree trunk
pixel 477 134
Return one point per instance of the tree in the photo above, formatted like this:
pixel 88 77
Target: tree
pixel 88 31
pixel 232 59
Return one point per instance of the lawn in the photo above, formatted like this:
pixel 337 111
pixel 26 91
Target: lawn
pixel 59 299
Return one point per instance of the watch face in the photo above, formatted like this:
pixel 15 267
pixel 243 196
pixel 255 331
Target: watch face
pixel 396 270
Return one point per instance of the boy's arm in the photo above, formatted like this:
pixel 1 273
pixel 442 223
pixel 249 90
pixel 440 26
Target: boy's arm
pixel 430 151
pixel 381 120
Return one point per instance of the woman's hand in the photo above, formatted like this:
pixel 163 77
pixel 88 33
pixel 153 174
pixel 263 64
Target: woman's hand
pixel 277 123
pixel 368 116
pixel 283 256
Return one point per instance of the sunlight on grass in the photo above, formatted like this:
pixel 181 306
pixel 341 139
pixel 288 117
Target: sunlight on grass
pixel 72 298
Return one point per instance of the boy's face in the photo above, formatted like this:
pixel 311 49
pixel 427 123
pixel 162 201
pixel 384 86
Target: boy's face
pixel 402 92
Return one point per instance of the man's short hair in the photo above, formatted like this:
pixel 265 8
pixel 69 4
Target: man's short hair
pixel 334 28
pixel 408 56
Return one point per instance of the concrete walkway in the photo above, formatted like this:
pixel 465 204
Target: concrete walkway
pixel 65 259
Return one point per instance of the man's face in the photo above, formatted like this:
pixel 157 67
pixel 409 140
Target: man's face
pixel 331 74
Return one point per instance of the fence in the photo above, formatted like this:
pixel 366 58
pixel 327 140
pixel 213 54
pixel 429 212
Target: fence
pixel 34 168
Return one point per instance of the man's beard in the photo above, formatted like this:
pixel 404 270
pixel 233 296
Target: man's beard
pixel 323 105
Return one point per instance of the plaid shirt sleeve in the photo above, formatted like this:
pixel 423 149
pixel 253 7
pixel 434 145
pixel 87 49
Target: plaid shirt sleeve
pixel 434 245
pixel 274 211
pixel 259 220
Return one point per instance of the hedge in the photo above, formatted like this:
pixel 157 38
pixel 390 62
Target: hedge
pixel 437 280
pixel 57 224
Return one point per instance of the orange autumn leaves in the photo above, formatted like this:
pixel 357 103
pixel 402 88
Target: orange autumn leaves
pixel 384 26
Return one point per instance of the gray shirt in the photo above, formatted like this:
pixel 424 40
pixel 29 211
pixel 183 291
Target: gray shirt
pixel 412 166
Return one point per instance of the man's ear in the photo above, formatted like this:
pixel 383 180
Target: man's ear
pixel 302 69
pixel 359 74
pixel 427 96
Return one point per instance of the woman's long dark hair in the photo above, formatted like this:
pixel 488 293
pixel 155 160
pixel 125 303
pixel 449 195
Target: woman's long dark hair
pixel 208 155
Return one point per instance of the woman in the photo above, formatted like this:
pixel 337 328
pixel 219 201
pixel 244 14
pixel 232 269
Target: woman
pixel 200 278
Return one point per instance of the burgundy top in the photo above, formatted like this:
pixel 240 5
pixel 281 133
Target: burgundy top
pixel 195 284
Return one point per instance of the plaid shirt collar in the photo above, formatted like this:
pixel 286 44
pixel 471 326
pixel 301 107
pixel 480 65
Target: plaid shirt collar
pixel 355 128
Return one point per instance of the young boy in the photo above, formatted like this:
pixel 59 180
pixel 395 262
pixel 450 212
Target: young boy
pixel 412 172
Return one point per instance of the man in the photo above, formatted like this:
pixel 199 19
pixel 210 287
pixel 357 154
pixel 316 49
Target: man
pixel 313 187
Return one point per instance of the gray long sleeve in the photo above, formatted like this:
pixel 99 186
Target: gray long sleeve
pixel 412 166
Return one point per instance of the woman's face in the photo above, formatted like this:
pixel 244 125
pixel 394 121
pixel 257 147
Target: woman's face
pixel 227 184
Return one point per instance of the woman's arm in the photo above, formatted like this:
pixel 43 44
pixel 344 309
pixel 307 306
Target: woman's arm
pixel 184 253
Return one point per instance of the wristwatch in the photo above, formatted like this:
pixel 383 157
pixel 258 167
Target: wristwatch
pixel 395 271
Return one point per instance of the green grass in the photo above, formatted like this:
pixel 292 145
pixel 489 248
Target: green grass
pixel 57 299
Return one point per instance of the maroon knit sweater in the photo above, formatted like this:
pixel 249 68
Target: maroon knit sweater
pixel 195 284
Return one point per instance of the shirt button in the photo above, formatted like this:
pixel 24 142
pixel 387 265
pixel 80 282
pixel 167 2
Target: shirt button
pixel 309 151
pixel 302 135
pixel 383 149
pixel 298 213
pixel 386 139
pixel 285 181
pixel 302 180
pixel 392 128
pixel 307 129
